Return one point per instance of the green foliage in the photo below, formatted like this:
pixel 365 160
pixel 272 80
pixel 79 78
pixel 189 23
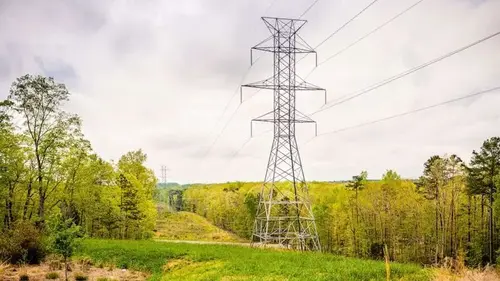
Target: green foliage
pixel 483 173
pixel 358 182
pixel 52 275
pixel 64 236
pixel 47 166
pixel 22 243
pixel 214 262
pixel 38 100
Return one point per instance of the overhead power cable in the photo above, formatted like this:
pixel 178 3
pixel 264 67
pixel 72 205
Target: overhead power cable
pixel 409 112
pixel 373 31
pixel 377 85
pixel 345 24
pixel 308 9
pixel 366 35
pixel 329 36
pixel 340 28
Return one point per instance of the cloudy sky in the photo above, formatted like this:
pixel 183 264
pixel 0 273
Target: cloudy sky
pixel 158 75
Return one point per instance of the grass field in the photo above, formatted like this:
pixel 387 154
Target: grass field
pixel 174 261
pixel 190 226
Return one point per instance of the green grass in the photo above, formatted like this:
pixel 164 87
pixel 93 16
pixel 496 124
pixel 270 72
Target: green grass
pixel 223 262
pixel 190 226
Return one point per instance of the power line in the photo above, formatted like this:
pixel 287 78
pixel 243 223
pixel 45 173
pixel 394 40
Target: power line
pixel 377 85
pixel 330 36
pixel 410 112
pixel 372 32
pixel 345 24
pixel 221 132
pixel 308 8
pixel 341 27
pixel 235 93
pixel 365 36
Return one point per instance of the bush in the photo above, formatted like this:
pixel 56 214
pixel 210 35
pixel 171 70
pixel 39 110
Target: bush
pixel 52 275
pixel 81 277
pixel 22 244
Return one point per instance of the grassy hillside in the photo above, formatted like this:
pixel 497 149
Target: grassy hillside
pixel 190 226
pixel 174 261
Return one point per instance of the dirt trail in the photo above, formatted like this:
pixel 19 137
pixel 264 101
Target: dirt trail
pixel 244 244
pixel 204 242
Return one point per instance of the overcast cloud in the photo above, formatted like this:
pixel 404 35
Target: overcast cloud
pixel 158 74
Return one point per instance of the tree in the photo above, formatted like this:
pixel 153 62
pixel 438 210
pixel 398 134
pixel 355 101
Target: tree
pixel 12 171
pixel 64 238
pixel 431 182
pixel 357 183
pixel 129 204
pixel 138 184
pixel 484 167
pixel 38 100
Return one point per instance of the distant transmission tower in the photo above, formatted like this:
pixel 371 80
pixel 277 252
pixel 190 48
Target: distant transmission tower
pixel 284 214
pixel 164 175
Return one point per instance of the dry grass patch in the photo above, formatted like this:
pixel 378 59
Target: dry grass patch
pixel 46 272
pixel 488 274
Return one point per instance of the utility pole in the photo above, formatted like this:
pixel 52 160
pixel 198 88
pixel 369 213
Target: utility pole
pixel 284 215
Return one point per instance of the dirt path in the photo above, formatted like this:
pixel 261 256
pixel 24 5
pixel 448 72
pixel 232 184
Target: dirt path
pixel 243 244
pixel 204 242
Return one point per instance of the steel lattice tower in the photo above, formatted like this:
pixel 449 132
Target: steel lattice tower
pixel 284 215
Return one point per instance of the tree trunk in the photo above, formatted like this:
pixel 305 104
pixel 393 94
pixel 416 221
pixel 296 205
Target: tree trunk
pixel 483 236
pixel 468 220
pixel 65 269
pixel 41 201
pixel 490 227
pixel 28 199
pixel 436 227
pixel 356 250
pixel 9 218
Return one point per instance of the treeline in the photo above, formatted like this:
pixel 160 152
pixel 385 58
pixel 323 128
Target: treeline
pixel 451 212
pixel 47 167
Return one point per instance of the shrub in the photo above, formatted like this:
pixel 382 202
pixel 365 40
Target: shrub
pixel 81 277
pixel 24 277
pixel 52 275
pixel 55 262
pixel 22 243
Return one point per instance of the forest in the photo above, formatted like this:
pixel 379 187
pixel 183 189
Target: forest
pixel 48 169
pixel 450 213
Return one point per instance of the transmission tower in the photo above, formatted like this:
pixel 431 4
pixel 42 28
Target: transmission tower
pixel 164 175
pixel 284 215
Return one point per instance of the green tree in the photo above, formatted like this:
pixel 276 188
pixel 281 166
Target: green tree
pixel 38 101
pixel 431 183
pixel 64 238
pixel 484 167
pixel 129 204
pixel 357 183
